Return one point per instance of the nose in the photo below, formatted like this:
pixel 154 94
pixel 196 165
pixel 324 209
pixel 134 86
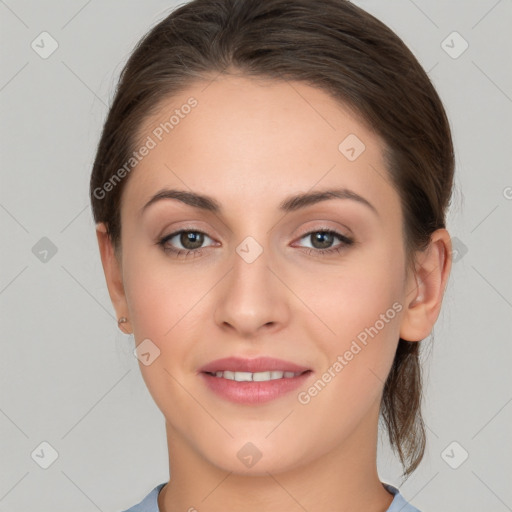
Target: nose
pixel 252 299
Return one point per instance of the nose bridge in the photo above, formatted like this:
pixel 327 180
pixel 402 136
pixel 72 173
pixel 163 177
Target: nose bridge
pixel 251 269
pixel 252 295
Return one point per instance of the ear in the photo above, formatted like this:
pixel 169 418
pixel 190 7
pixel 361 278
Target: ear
pixel 113 274
pixel 425 287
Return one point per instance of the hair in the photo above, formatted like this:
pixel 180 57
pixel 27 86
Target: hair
pixel 332 45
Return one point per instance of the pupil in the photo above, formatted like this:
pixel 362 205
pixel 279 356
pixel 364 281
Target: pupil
pixel 192 240
pixel 325 240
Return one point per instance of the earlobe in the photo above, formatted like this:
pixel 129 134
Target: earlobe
pixel 112 271
pixel 424 295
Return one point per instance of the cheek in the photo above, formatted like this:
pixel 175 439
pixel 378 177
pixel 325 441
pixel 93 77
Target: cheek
pixel 358 308
pixel 162 301
pixel 363 310
pixel 158 294
pixel 353 295
pixel 167 306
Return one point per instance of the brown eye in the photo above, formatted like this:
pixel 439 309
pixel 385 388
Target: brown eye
pixel 191 239
pixel 322 241
pixel 184 241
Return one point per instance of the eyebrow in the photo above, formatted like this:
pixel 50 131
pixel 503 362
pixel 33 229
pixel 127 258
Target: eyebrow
pixel 290 204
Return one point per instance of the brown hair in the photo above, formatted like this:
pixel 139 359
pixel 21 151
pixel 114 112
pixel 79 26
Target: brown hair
pixel 329 44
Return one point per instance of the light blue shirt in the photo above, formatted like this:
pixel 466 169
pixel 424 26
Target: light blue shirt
pixel 150 504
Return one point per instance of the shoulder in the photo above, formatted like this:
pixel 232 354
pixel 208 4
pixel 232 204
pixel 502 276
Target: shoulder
pixel 398 504
pixel 149 503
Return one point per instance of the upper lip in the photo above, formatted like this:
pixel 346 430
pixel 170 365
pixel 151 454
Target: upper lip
pixel 259 364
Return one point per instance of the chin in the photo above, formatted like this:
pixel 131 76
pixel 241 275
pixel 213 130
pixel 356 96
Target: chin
pixel 256 457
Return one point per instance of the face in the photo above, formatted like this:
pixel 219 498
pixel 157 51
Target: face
pixel 320 284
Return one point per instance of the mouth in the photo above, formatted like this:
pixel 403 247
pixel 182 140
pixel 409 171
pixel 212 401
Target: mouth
pixel 257 376
pixel 257 365
pixel 253 381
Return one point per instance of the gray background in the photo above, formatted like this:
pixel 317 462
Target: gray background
pixel 68 376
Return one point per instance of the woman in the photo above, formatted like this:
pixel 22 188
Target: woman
pixel 270 192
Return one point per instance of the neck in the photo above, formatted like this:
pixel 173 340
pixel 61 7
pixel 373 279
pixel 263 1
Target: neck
pixel 343 479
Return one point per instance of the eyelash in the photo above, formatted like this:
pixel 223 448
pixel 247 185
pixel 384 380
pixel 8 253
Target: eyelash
pixel 346 242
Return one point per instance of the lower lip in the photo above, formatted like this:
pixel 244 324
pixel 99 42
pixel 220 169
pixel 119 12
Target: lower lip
pixel 253 392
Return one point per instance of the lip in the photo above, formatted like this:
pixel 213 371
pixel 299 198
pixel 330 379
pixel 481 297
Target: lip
pixel 250 392
pixel 259 364
pixel 253 393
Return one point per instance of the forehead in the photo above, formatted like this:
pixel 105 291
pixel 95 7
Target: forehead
pixel 252 139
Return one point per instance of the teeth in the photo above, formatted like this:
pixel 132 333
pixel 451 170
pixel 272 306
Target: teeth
pixel 256 377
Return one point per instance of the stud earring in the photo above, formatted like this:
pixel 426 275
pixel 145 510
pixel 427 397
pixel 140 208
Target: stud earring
pixel 122 320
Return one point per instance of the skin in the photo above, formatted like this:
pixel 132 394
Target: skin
pixel 250 144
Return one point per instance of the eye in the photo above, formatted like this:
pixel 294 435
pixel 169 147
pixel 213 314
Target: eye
pixel 191 241
pixel 322 241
